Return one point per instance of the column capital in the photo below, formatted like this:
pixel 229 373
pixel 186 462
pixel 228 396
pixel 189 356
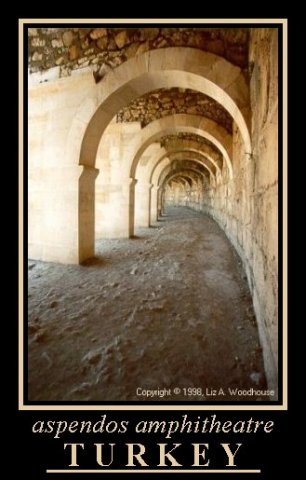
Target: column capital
pixel 88 171
pixel 132 181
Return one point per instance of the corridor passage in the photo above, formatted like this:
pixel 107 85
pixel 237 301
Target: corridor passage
pixel 169 308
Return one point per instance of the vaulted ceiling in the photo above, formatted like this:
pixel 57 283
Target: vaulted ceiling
pixel 164 102
pixel 75 48
pixel 101 49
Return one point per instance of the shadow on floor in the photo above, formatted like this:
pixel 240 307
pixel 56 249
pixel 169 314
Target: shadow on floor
pixel 94 262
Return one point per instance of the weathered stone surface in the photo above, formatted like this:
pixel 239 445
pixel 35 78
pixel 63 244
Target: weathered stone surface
pixel 198 40
pixel 102 43
pixel 57 43
pixel 245 206
pixel 83 61
pixel 98 33
pixel 170 141
pixel 161 43
pixel 59 60
pixel 163 102
pixel 83 32
pixel 230 43
pixel 37 56
pixel 39 42
pixel 114 62
pixel 122 39
pixel 68 38
pixel 73 52
pixel 32 32
pixel 101 72
pixel 143 47
pixel 150 328
pixel 131 50
pixel 216 46
pixel 150 33
pixel 112 46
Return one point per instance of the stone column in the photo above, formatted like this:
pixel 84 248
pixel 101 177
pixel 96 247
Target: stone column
pixel 142 204
pixel 87 213
pixel 130 205
pixel 65 233
pixel 176 196
pixel 162 202
pixel 115 218
pixel 119 222
pixel 153 204
pixel 159 202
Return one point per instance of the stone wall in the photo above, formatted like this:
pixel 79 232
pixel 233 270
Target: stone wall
pixel 70 49
pixel 247 206
pixel 53 184
pixel 182 193
pixel 170 101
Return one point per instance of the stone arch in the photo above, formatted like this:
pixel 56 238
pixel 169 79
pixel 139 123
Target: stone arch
pixel 192 144
pixel 156 188
pixel 194 155
pixel 180 179
pixel 201 126
pixel 163 68
pixel 200 166
pixel 200 153
pixel 146 190
pixel 148 170
pixel 190 167
pixel 189 172
pixel 155 160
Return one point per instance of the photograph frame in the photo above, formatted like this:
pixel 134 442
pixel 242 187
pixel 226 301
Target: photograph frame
pixel 23 404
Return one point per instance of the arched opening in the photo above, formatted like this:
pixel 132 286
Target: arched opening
pixel 183 193
pixel 121 200
pixel 154 69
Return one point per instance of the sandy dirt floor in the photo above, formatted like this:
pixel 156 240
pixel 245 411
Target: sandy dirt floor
pixel 167 309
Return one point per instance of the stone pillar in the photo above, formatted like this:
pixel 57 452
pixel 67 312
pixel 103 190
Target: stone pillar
pixel 161 204
pixel 153 204
pixel 65 232
pixel 201 196
pixel 87 213
pixel 129 204
pixel 102 210
pixel 176 196
pixel 115 210
pixel 142 204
